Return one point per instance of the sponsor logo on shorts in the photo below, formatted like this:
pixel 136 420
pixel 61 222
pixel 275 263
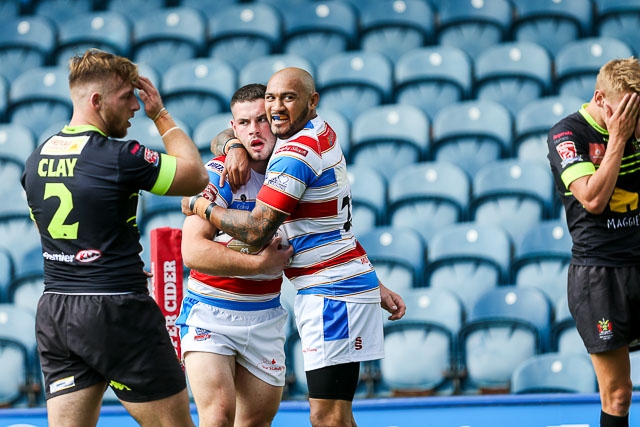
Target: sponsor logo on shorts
pixel 88 255
pixel 358 343
pixel 270 365
pixel 62 384
pixel 605 329
pixel 202 334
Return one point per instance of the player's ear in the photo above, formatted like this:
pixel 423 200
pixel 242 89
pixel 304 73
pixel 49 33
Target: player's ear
pixel 96 100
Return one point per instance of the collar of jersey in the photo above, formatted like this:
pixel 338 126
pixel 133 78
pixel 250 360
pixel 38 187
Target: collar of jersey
pixel 593 123
pixel 82 128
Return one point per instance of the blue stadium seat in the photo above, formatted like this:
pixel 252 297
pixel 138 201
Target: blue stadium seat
pixel 512 194
pixel 432 77
pixel 541 259
pixel 16 143
pixel 439 191
pixel 472 25
pixel 208 6
pixel 20 235
pixel 28 282
pixel 14 200
pixel 564 335
pixel 106 30
pixel 14 373
pixel 420 349
pixel 17 331
pixel 545 241
pixel 26 42
pixel 554 373
pixel 398 255
pixel 146 133
pixel 204 132
pixel 4 98
pixel 240 33
pixel 6 274
pixel 389 137
pixel 578 63
pixel 353 82
pixel 619 19
pixel 195 89
pixel 507 326
pixel 153 205
pixel 513 74
pixel 260 70
pixel 168 36
pixel 368 198
pixel 10 8
pixel 472 133
pixel 393 28
pixel 40 97
pixel 134 9
pixel 60 11
pixel 468 259
pixel 551 23
pixel 533 122
pixel 318 30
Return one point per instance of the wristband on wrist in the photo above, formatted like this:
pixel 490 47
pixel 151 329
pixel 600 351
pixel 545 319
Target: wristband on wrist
pixel 170 130
pixel 192 201
pixel 234 145
pixel 224 146
pixel 160 113
pixel 207 212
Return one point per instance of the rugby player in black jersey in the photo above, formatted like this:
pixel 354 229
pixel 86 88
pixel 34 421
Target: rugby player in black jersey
pixel 96 323
pixel 594 155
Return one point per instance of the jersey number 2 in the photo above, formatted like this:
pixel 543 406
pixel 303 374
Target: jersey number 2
pixel 57 228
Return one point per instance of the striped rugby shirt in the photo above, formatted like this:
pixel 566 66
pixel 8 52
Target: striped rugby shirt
pixel 307 179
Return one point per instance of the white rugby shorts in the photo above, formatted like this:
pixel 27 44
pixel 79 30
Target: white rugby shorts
pixel 255 338
pixel 333 332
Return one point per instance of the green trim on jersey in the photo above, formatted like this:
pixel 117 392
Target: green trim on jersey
pixel 82 128
pixel 577 171
pixel 591 121
pixel 168 167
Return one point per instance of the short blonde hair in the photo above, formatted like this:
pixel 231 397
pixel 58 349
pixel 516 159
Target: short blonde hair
pixel 620 76
pixel 97 66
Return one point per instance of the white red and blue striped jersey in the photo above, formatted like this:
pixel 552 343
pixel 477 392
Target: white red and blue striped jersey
pixel 307 179
pixel 234 293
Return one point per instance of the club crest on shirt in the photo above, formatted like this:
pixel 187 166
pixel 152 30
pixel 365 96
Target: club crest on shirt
pixel 151 156
pixel 567 152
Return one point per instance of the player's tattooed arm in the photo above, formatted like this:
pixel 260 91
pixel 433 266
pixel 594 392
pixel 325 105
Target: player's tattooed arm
pixel 256 227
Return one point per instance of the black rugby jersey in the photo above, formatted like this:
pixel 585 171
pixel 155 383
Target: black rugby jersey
pixel 576 148
pixel 82 189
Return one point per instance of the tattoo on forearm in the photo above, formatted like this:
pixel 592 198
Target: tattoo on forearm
pixel 255 227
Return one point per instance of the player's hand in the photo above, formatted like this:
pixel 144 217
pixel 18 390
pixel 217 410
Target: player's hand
pixel 184 205
pixel 274 257
pixel 622 122
pixel 149 96
pixel 236 169
pixel 392 302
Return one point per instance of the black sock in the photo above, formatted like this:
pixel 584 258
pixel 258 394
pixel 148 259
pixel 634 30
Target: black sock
pixel 607 420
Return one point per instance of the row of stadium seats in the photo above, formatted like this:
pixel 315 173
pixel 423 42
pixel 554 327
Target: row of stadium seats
pixel 430 78
pixel 333 26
